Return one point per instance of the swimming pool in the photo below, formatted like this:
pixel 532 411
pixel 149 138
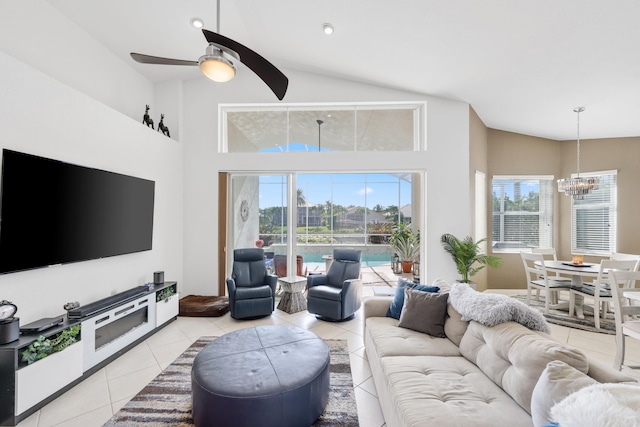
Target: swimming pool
pixel 369 260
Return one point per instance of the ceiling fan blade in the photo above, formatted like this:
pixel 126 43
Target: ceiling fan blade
pixel 148 59
pixel 264 69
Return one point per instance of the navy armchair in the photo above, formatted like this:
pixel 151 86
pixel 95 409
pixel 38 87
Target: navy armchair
pixel 337 295
pixel 251 289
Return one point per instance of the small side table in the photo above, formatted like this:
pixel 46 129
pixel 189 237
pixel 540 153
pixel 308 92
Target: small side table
pixel 328 260
pixel 292 300
pixel 383 291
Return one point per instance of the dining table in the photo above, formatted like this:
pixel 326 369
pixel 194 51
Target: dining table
pixel 632 295
pixel 577 272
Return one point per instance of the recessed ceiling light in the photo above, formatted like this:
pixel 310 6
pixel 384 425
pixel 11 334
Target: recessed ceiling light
pixel 197 22
pixel 327 29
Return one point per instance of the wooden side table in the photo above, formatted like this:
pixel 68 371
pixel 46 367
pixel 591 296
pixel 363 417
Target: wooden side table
pixel 292 300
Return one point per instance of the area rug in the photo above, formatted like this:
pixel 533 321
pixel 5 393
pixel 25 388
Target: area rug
pixel 166 400
pixel 562 318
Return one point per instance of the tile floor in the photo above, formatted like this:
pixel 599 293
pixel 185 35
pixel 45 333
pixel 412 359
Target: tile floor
pixel 95 400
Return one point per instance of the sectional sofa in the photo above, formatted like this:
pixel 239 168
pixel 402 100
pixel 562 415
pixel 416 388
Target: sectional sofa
pixel 468 374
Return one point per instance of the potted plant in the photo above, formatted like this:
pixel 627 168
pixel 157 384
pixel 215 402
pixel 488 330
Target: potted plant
pixel 406 244
pixel 466 253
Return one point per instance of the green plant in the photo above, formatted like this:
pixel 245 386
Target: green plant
pixel 167 292
pixel 405 242
pixel 42 347
pixel 466 253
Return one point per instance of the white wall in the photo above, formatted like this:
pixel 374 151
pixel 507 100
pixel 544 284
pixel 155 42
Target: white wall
pixel 41 116
pixel 444 164
pixel 60 49
pixel 36 33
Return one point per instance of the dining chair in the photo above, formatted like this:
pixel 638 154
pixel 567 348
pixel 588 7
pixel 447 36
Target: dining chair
pixel 599 290
pixel 549 254
pixel 621 283
pixel 619 256
pixel 538 278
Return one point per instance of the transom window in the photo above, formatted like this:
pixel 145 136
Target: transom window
pixel 322 127
pixel 593 219
pixel 522 213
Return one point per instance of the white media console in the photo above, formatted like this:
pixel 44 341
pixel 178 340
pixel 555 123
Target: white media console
pixel 109 328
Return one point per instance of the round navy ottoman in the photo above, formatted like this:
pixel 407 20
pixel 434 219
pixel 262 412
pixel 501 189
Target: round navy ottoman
pixel 267 376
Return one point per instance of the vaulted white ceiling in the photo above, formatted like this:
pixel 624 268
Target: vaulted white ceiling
pixel 522 65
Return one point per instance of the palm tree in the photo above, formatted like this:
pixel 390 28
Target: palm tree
pixel 300 195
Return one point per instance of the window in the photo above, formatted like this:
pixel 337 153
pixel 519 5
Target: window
pixel 522 213
pixel 356 209
pixel 395 126
pixel 593 219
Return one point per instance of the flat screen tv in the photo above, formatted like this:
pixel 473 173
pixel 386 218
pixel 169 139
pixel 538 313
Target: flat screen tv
pixel 54 212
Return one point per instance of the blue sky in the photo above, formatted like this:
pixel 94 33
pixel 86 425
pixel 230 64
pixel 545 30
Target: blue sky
pixel 342 189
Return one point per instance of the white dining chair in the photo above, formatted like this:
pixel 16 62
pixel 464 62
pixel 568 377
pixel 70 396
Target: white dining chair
pixel 599 290
pixel 621 283
pixel 538 278
pixel 619 256
pixel 549 254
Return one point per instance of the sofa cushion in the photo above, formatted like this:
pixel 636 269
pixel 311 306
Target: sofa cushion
pixel 395 309
pixel 454 326
pixel 451 391
pixel 390 340
pixel 424 312
pixel 558 380
pixel 514 357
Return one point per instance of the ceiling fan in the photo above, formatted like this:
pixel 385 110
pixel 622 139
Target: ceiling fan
pixel 218 61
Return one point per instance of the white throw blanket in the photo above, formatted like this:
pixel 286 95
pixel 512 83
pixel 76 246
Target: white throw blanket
pixel 600 405
pixel 492 309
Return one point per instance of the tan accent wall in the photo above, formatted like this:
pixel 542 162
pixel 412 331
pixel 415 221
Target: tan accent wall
pixel 621 154
pixel 477 162
pixel 511 153
pixel 515 154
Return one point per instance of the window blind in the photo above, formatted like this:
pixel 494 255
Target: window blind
pixel 522 213
pixel 594 219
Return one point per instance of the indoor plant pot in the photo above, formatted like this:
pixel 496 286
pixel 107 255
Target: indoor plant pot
pixel 407 266
pixel 405 241
pixel 466 253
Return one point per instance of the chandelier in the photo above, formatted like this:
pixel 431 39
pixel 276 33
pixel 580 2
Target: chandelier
pixel 577 187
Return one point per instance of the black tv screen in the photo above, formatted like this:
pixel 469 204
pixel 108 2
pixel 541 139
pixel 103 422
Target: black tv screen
pixel 54 212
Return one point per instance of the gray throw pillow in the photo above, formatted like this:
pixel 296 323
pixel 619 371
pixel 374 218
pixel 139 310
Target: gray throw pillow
pixel 424 312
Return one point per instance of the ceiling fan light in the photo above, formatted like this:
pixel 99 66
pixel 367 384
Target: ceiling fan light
pixel 217 68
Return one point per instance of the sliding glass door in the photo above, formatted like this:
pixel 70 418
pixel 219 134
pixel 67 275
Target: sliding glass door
pixel 298 219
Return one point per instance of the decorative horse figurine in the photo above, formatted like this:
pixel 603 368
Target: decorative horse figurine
pixel 147 119
pixel 162 127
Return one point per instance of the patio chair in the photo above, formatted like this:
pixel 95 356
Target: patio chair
pixel 280 265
